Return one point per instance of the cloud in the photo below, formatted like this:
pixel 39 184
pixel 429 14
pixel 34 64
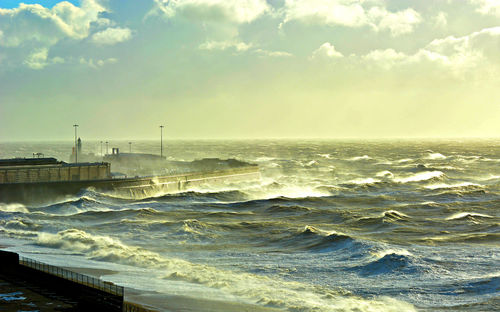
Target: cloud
pixel 224 45
pixel 458 55
pixel 351 13
pixel 441 20
pixel 38 59
pixel 97 63
pixel 329 12
pixel 33 22
pixel 398 23
pixel 487 7
pixel 326 50
pixel 234 11
pixel 268 53
pixel 112 36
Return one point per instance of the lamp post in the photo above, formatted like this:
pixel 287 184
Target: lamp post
pixel 107 147
pixel 161 141
pixel 101 148
pixel 76 147
pixel 130 147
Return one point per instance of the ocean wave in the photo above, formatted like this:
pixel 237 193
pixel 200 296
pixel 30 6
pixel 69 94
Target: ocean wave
pixel 357 158
pixel 421 176
pixel 13 208
pixel 204 195
pixel 257 288
pixel 484 238
pixel 385 174
pixel 327 156
pixel 285 209
pixel 364 181
pixel 463 185
pixel 467 215
pixel 435 156
pixel 388 262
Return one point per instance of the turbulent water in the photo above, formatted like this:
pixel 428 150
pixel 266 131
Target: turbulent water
pixel 332 226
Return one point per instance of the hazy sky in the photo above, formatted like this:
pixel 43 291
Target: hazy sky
pixel 249 68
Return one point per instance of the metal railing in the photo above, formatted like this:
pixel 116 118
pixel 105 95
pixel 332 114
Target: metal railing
pixel 73 276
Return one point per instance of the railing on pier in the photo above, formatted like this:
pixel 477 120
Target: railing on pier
pixel 73 276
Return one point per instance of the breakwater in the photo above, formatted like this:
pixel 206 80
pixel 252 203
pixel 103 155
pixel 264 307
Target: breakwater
pixel 134 188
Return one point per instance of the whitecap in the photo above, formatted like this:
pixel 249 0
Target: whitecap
pixel 364 157
pixel 385 174
pixel 461 215
pixel 13 208
pixel 421 176
pixel 362 181
pixel 435 156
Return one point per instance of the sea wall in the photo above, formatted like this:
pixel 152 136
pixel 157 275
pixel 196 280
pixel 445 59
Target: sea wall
pixel 89 292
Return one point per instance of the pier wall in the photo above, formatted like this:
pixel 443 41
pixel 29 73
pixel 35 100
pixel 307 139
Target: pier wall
pixel 56 172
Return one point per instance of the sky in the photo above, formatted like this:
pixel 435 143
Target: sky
pixel 238 69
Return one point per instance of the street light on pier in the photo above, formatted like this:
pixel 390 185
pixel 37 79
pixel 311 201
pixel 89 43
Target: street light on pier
pixel 76 147
pixel 107 148
pixel 101 148
pixel 161 141
pixel 130 147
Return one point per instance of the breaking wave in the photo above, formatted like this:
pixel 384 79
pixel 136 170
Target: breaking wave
pixel 257 288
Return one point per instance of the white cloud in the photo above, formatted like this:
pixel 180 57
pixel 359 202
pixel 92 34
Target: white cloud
pixel 441 20
pixel 39 59
pixel 326 50
pixel 458 55
pixel 398 23
pixel 384 58
pixel 235 11
pixel 97 63
pixel 112 36
pixel 263 52
pixel 330 12
pixel 351 13
pixel 487 7
pixel 33 22
pixel 224 45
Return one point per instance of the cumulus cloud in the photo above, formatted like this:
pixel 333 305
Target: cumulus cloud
pixel 326 50
pixel 457 54
pixel 112 36
pixel 263 52
pixel 97 63
pixel 398 23
pixel 33 22
pixel 487 7
pixel 352 13
pixel 235 11
pixel 441 20
pixel 39 59
pixel 224 45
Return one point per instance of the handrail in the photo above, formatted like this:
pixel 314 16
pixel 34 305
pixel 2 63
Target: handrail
pixel 73 276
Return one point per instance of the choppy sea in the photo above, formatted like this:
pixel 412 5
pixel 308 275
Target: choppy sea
pixel 332 226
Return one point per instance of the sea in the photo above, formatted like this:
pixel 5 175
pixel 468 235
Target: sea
pixel 333 225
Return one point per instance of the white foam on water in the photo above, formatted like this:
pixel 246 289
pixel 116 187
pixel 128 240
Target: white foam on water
pixel 461 215
pixel 364 157
pixel 13 208
pixel 362 181
pixel 255 288
pixel 421 176
pixel 434 156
